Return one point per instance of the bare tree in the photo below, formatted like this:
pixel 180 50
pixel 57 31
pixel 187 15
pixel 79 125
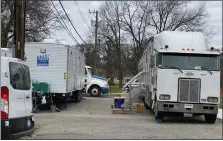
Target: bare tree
pixel 134 19
pixel 127 26
pixel 111 31
pixel 40 19
pixel 179 15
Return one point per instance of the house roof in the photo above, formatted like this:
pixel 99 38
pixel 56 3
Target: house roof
pixel 128 75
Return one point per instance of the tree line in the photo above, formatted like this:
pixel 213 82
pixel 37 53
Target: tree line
pixel 126 26
pixel 124 29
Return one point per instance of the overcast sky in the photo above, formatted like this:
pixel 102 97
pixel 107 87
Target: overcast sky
pixel 83 23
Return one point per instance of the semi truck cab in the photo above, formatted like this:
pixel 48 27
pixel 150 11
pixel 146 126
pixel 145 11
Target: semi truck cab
pixel 95 85
pixel 183 75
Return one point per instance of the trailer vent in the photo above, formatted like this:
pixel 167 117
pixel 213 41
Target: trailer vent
pixel 189 90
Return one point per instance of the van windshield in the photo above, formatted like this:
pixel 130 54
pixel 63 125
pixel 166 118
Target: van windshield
pixel 19 76
pixel 191 61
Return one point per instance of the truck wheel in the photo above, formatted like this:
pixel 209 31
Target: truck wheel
pixel 76 96
pixel 95 91
pixel 79 96
pixel 210 118
pixel 158 115
pixel 73 98
pixel 145 105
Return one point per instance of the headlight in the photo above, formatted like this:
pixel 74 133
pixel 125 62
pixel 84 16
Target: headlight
pixel 106 85
pixel 164 97
pixel 212 99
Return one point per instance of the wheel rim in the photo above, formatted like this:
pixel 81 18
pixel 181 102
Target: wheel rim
pixel 94 91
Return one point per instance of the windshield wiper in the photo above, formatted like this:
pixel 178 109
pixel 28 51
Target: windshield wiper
pixel 206 69
pixel 174 68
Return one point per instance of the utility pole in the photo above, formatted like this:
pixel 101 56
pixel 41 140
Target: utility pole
pixel 94 67
pixel 19 28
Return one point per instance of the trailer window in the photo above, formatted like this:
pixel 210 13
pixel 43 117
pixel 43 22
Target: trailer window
pixel 191 61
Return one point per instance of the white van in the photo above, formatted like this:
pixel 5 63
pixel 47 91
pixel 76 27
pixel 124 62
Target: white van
pixel 16 99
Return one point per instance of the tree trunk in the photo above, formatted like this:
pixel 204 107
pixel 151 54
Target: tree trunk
pixel 4 40
pixel 120 78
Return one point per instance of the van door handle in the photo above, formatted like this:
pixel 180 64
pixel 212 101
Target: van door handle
pixel 27 97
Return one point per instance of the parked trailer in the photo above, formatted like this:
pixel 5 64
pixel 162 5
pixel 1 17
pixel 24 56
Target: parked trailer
pixel 181 75
pixel 61 66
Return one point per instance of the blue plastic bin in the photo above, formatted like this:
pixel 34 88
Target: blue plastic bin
pixel 118 102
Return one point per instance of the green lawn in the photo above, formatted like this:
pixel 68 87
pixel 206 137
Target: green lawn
pixel 115 89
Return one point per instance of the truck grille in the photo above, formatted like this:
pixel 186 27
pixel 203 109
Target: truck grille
pixel 189 90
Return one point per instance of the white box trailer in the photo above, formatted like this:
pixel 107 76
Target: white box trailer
pixel 61 66
pixel 181 75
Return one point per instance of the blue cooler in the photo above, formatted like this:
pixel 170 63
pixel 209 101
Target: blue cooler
pixel 118 102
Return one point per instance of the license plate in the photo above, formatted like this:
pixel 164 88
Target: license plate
pixel 188 115
pixel 188 105
pixel 28 123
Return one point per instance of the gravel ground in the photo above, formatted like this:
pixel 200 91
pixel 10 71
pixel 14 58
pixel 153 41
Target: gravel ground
pixel 92 118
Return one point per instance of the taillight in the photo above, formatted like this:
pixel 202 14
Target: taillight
pixel 4 102
pixel 154 89
pixel 5 93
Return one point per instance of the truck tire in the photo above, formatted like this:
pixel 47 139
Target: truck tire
pixel 145 105
pixel 210 118
pixel 73 97
pixel 79 96
pixel 158 115
pixel 95 91
pixel 76 96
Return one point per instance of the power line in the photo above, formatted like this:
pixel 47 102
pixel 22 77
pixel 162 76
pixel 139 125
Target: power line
pixel 68 32
pixel 64 24
pixel 71 22
pixel 82 15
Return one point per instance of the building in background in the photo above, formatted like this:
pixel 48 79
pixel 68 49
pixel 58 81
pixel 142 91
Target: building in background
pixel 125 79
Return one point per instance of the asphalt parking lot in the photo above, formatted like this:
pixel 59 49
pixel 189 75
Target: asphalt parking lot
pixel 92 118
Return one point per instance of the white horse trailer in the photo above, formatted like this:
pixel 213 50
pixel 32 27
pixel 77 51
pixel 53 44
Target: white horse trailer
pixel 61 66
